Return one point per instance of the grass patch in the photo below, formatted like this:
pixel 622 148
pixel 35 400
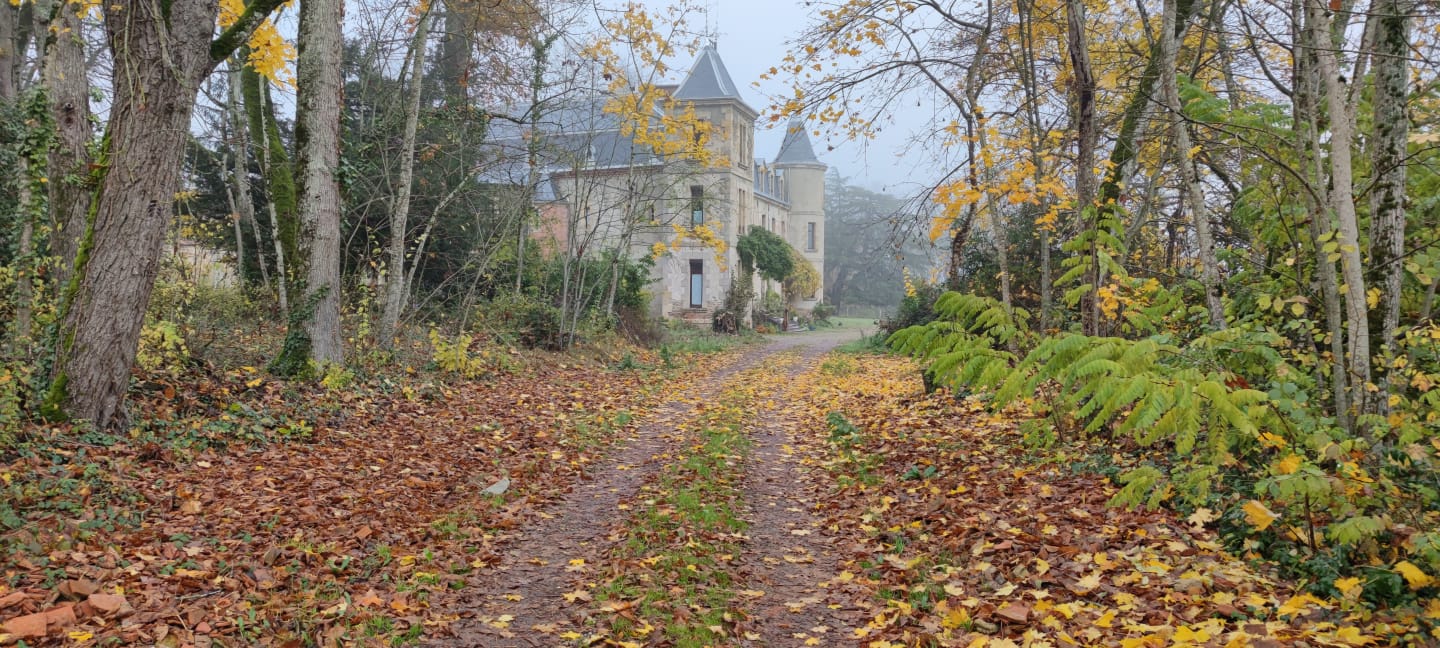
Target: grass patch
pixel 687 531
pixel 685 338
pixel 869 344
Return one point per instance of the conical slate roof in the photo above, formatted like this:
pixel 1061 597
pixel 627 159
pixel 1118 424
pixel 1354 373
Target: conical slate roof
pixel 796 148
pixel 708 79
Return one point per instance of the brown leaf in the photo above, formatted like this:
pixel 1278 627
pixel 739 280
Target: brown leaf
pixel 62 616
pixel 1014 612
pixel 30 625
pixel 369 599
pixel 78 589
pixel 13 598
pixel 107 603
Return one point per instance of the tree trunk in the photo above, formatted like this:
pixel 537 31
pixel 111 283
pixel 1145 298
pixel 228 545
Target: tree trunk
pixel 1307 96
pixel 1171 35
pixel 958 237
pixel 1025 15
pixel 276 191
pixel 1342 203
pixel 317 136
pixel 1078 46
pixel 240 171
pixel 279 177
pixel 68 87
pixel 25 264
pixel 396 289
pixel 9 19
pixel 235 220
pixel 168 51
pixel 1387 163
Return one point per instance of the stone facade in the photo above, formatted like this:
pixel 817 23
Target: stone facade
pixel 615 192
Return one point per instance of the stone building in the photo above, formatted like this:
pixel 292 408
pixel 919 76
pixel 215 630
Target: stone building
pixel 616 193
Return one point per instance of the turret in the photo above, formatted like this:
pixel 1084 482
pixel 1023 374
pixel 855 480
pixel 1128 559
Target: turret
pixel 805 187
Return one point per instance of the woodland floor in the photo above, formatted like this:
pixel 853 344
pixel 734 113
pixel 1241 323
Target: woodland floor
pixel 777 495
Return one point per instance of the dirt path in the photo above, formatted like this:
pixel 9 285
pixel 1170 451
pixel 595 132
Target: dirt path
pixel 788 556
pixel 527 588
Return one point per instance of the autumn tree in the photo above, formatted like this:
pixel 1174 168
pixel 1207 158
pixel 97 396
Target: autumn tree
pixel 169 50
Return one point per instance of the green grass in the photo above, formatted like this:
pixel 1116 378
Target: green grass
pixel 683 536
pixel 684 338
pixel 867 323
pixel 874 343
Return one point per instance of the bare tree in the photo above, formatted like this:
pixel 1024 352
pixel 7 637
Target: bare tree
pixel 397 289
pixel 1189 176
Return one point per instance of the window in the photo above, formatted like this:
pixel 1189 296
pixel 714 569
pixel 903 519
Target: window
pixel 697 205
pixel 810 237
pixel 697 283
pixel 744 209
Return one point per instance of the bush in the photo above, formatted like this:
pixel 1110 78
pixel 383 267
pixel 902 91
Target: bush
pixel 638 327
pixel 822 314
pixel 731 314
pixel 916 309
pixel 530 321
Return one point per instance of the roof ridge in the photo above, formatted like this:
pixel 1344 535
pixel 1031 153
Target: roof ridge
pixel 796 147
pixel 708 78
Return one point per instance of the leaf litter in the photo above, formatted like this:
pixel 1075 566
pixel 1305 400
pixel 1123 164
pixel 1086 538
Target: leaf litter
pixel 353 532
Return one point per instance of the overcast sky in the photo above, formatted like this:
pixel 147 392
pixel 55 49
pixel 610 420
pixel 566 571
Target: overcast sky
pixel 754 36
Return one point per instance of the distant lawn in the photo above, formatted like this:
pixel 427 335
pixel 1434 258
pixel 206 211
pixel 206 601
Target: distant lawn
pixel 867 323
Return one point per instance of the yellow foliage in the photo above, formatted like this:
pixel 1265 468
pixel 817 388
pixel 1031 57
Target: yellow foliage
pixel 1414 576
pixel 270 54
pixel 1258 515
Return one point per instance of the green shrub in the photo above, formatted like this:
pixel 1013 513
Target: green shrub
pixel 822 312
pixel 1289 482
pixel 524 318
pixel 915 309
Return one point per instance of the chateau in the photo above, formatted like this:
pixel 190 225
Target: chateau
pixel 616 193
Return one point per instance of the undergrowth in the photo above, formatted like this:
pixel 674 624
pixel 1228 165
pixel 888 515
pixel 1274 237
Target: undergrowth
pixel 1231 425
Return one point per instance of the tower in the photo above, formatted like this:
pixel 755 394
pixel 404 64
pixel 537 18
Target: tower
pixel 805 185
pixel 719 197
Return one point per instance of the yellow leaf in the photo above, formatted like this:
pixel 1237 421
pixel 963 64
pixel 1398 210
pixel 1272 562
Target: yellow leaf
pixel 1297 604
pixel 1349 587
pixel 1259 516
pixel 1041 566
pixel 1088 582
pixel 1289 465
pixel 1416 577
pixel 955 618
pixel 1105 620
pixel 1272 440
pixel 1350 636
pixel 1184 633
